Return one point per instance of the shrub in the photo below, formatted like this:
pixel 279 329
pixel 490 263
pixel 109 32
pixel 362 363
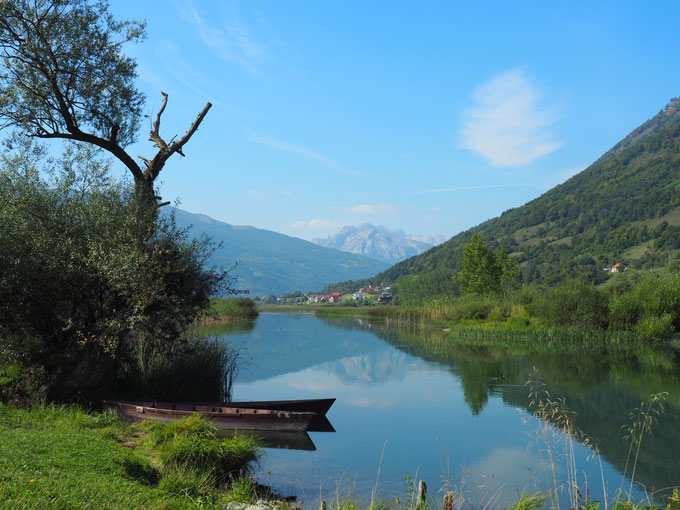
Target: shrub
pixel 653 327
pixel 575 303
pixel 233 308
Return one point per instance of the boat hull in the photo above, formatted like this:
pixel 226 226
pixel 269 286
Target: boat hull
pixel 231 417
pixel 320 406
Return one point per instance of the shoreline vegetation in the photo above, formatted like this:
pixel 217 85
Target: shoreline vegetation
pixel 632 306
pixel 49 454
pixel 223 310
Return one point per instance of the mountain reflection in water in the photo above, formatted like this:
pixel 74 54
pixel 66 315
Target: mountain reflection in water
pixel 430 404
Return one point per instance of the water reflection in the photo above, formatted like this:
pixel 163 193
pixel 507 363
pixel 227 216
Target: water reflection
pixel 603 384
pixel 427 405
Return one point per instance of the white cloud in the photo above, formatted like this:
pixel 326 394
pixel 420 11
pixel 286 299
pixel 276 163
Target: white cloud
pixel 507 125
pixel 372 208
pixel 316 223
pixel 256 194
pixel 300 150
pixel 231 41
pixel 286 193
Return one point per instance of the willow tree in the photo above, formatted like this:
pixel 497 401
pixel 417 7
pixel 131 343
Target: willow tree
pixel 63 75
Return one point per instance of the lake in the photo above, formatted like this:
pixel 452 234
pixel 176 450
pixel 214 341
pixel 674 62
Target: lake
pixel 453 412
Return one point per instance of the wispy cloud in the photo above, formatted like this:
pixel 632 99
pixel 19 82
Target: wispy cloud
pixel 285 193
pixel 300 150
pixel 372 208
pixel 507 125
pixel 316 223
pixel 179 68
pixel 468 188
pixel 231 41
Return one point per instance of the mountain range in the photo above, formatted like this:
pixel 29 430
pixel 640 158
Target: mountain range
pixel 378 242
pixel 624 208
pixel 272 263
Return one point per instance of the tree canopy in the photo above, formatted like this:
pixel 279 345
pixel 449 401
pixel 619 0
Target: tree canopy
pixel 485 271
pixel 89 271
pixel 63 75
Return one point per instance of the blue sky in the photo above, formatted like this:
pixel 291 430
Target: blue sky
pixel 425 116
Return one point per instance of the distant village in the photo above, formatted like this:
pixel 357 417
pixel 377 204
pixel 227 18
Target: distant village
pixel 364 295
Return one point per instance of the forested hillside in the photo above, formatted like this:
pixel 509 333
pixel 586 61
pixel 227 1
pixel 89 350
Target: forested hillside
pixel 624 208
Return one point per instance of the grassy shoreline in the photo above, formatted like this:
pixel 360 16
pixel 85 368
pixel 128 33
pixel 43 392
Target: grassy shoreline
pixel 63 457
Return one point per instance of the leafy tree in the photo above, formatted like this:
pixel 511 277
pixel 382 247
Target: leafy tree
pixel 63 75
pixel 88 271
pixel 485 271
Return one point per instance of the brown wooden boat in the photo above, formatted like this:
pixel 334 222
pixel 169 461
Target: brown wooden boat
pixel 228 417
pixel 320 406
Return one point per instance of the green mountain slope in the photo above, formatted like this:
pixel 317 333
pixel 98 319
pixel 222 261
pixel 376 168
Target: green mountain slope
pixel 273 263
pixel 624 208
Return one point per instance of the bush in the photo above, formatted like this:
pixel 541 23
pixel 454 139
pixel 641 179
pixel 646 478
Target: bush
pixel 90 270
pixel 651 307
pixel 653 327
pixel 575 303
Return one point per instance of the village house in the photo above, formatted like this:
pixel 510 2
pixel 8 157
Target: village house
pixel 323 298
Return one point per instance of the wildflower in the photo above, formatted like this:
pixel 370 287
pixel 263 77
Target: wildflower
pixel 32 480
pixel 231 475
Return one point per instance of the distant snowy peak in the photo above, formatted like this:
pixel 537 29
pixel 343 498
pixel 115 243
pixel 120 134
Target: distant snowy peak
pixel 378 242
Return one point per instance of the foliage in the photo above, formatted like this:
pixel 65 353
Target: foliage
pixel 573 303
pixel 485 271
pixel 651 307
pixel 66 55
pixel 88 271
pixel 232 308
pixel 416 287
pixel 644 307
pixel 63 75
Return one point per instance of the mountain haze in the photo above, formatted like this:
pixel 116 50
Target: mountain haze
pixel 624 208
pixel 273 263
pixel 378 243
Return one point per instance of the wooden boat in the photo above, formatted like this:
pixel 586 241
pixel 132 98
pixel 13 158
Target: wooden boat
pixel 320 406
pixel 229 417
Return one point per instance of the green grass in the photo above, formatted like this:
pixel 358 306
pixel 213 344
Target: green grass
pixel 62 457
pixel 232 308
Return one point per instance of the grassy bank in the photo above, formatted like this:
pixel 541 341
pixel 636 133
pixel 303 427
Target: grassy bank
pixel 63 457
pixel 226 309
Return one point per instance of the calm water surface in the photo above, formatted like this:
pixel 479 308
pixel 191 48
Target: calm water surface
pixel 453 413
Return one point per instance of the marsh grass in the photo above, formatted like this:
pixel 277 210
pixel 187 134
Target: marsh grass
pixel 559 436
pixel 238 308
pixel 192 443
pixel 196 369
